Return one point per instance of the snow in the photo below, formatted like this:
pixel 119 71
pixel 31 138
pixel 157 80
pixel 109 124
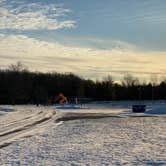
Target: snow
pixel 103 134
pixel 157 110
pixel 22 123
pixel 69 106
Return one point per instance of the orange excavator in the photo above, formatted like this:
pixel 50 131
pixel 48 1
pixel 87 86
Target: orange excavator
pixel 62 99
pixel 64 103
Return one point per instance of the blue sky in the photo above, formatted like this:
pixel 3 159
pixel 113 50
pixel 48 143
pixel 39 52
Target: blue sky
pixel 90 38
pixel 140 22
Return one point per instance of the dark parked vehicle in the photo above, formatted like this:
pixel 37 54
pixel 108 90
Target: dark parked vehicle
pixel 139 108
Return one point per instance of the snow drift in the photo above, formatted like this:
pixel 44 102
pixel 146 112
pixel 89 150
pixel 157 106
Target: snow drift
pixel 157 110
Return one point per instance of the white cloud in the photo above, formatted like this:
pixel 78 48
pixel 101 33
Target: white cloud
pixel 2 1
pixel 88 62
pixel 32 16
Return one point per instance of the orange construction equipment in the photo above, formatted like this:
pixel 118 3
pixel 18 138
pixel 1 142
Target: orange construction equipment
pixel 62 98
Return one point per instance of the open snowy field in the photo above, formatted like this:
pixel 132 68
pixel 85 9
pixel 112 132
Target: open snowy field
pixel 105 133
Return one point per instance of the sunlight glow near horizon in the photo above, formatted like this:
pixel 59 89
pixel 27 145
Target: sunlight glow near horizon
pixel 67 37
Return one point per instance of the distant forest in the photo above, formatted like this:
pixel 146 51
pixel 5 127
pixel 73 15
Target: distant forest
pixel 20 86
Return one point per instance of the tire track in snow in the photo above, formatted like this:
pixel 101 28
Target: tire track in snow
pixel 25 126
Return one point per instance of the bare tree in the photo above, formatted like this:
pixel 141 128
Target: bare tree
pixel 154 82
pixel 108 79
pixel 18 67
pixel 154 79
pixel 129 80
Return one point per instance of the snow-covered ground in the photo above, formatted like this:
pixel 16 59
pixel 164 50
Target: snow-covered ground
pixel 105 133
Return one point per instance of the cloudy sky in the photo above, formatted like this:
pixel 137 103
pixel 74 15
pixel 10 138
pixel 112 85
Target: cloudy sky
pixel 89 38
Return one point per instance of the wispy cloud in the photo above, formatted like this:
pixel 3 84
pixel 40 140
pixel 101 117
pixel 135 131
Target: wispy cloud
pixel 2 1
pixel 96 43
pixel 88 62
pixel 20 15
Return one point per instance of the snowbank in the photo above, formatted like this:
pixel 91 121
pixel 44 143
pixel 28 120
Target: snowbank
pixel 4 109
pixel 157 110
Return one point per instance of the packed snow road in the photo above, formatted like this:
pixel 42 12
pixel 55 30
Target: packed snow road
pixel 103 134
pixel 22 123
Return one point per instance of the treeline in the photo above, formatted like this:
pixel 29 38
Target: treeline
pixel 20 86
